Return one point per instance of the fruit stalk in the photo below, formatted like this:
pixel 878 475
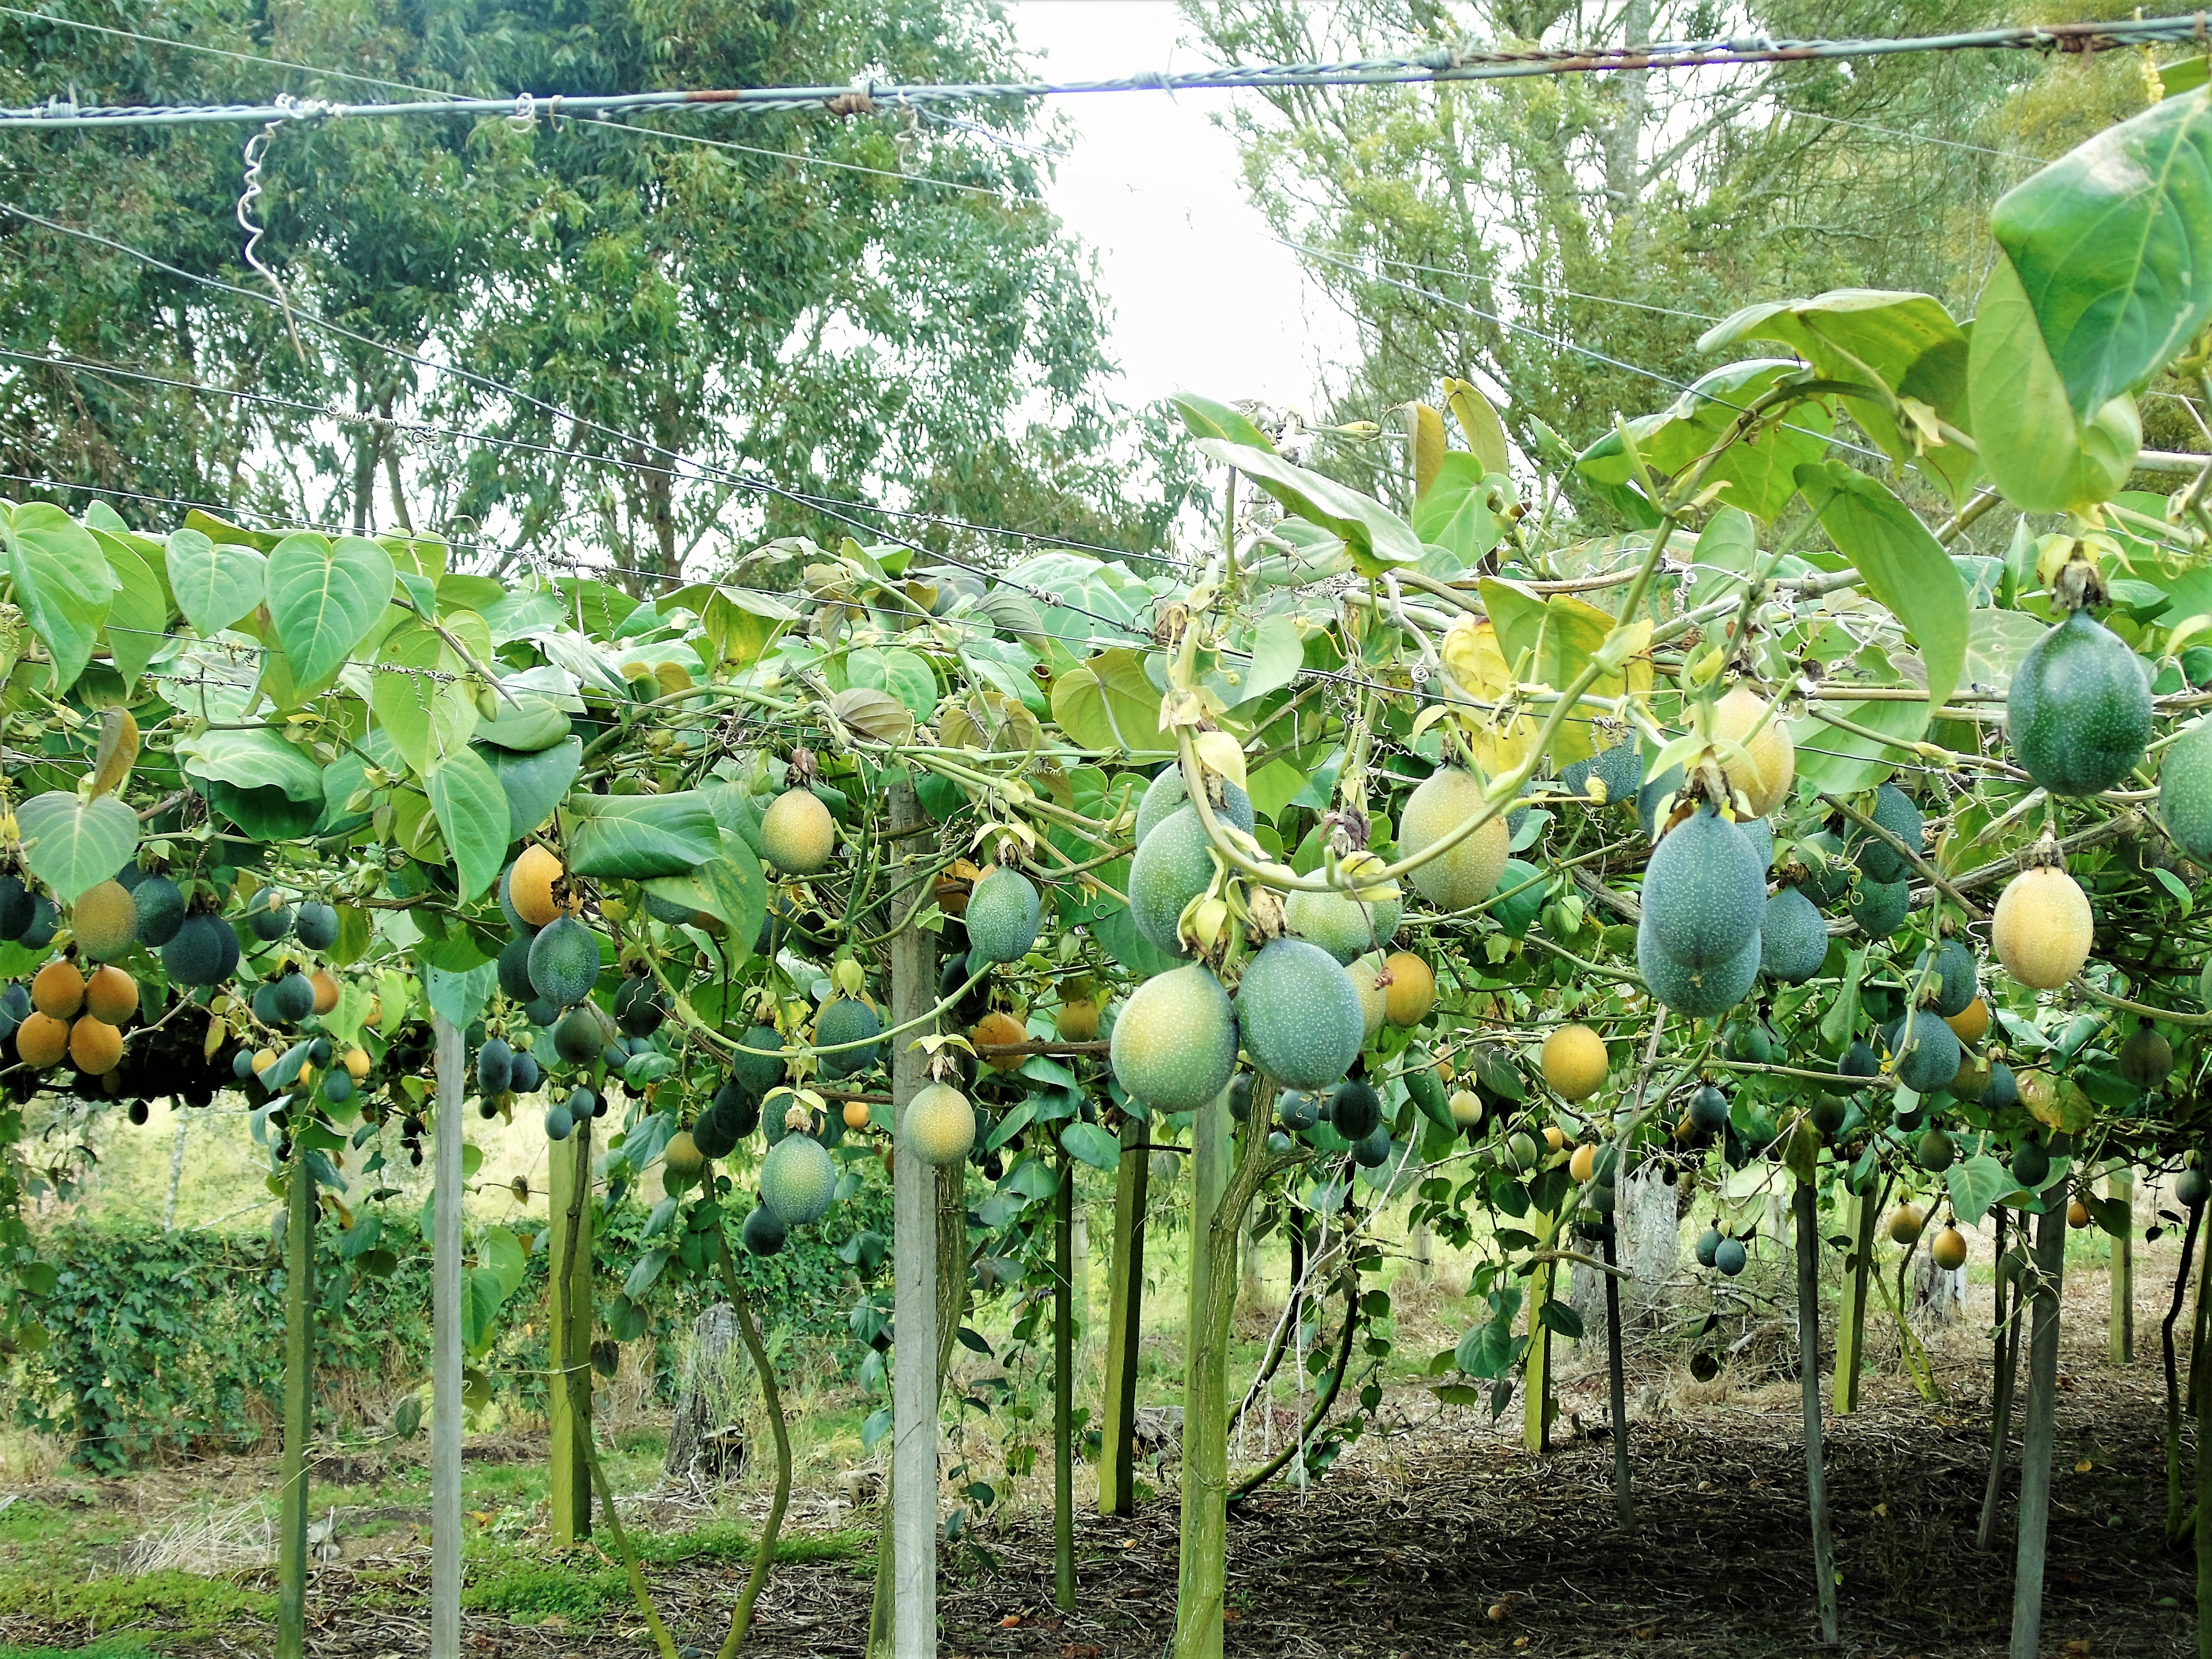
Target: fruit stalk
pixel 741 1617
pixel 1806 1204
pixel 2036 1442
pixel 299 1361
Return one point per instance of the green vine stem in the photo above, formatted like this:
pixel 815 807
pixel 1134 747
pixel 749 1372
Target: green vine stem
pixel 741 1617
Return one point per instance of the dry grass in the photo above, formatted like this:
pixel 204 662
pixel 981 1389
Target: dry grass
pixel 214 1541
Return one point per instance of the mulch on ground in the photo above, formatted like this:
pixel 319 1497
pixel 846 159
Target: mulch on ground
pixel 1445 1539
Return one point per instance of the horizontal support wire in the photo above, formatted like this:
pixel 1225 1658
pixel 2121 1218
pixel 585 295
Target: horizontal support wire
pixel 1441 66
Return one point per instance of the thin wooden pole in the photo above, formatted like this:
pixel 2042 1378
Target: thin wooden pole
pixel 2176 1508
pixel 569 1312
pixel 445 1348
pixel 2005 1370
pixel 1125 1311
pixel 1623 1501
pixel 741 1617
pixel 1063 1390
pixel 2041 1427
pixel 1850 1327
pixel 2120 1185
pixel 1808 1367
pixel 914 1264
pixel 299 1394
pixel 1536 1391
pixel 2204 1483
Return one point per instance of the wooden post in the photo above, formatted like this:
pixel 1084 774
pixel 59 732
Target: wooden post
pixel 298 1395
pixel 1200 1575
pixel 2005 1368
pixel 1850 1325
pixel 913 1266
pixel 2203 1411
pixel 445 1348
pixel 2041 1426
pixel 1063 1388
pixel 2120 1185
pixel 1623 1501
pixel 1125 1309
pixel 1808 1367
pixel 1536 1392
pixel 568 1313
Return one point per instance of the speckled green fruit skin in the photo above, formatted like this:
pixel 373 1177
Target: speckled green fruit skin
pixel 1175 1043
pixel 1760 833
pixel 1003 917
pixel 161 904
pixel 1469 873
pixel 2184 792
pixel 1697 993
pixel 939 1124
pixel 1345 927
pixel 1171 868
pixel 1704 894
pixel 797 1178
pixel 847 1019
pixel 2002 1090
pixel 764 1231
pixel 515 970
pixel 757 1074
pixel 1894 812
pixel 1878 907
pixel 1793 938
pixel 1166 793
pixel 564 962
pixel 1927 1052
pixel 201 952
pixel 2078 713
pixel 1299 1014
pixel 1961 981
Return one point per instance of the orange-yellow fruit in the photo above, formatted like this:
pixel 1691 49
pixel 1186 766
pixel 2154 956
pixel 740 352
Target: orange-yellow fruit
pixel 1773 757
pixel 95 1046
pixel 1949 1250
pixel 954 884
pixel 999 1027
pixel 1077 1021
pixel 111 994
pixel 2077 1215
pixel 41 1041
pixel 58 990
pixel 262 1060
pixel 1554 1137
pixel 797 834
pixel 1906 1222
pixel 1583 1164
pixel 356 1063
pixel 530 885
pixel 1972 1022
pixel 2042 928
pixel 327 990
pixel 1412 991
pixel 1574 1062
pixel 856 1114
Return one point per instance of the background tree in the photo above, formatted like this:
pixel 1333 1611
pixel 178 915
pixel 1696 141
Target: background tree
pixel 1568 238
pixel 874 306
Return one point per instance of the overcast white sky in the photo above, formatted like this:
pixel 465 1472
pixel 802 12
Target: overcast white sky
pixel 1202 300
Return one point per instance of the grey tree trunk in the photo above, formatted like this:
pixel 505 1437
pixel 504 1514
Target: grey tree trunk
pixel 706 1444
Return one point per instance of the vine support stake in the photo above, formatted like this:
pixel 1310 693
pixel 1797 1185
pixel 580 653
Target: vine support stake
pixel 1806 1202
pixel 1125 1308
pixel 569 1314
pixel 2005 1363
pixel 2041 1427
pixel 1850 1324
pixel 1624 1500
pixel 1063 1388
pixel 2203 1411
pixel 299 1394
pixel 913 1266
pixel 2121 1186
pixel 1202 1571
pixel 1536 1389
pixel 445 1349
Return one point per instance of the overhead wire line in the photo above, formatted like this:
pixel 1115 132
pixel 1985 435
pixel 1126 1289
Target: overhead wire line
pixel 1442 65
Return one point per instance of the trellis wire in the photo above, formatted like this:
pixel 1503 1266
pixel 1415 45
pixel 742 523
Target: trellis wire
pixel 1442 65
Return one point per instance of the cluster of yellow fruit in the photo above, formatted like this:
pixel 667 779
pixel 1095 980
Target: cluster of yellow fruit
pixel 77 1019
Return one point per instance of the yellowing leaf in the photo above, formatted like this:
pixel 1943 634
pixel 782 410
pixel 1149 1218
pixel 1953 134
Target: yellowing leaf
pixel 1221 753
pixel 118 750
pixel 1473 658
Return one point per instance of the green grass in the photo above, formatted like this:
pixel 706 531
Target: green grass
pixel 105 1647
pixel 528 1586
pixel 184 1602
